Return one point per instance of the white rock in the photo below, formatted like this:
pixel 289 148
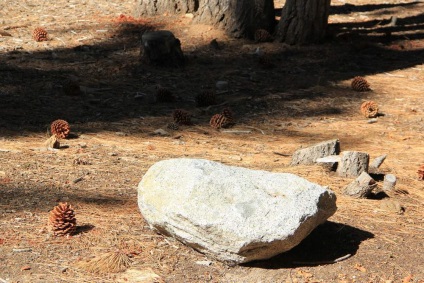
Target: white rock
pixel 231 213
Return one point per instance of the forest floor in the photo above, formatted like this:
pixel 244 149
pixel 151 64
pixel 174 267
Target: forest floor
pixel 305 99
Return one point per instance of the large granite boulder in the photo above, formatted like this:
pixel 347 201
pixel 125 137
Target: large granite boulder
pixel 231 213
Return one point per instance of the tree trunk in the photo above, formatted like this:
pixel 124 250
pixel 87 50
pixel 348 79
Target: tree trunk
pixel 239 18
pixel 303 21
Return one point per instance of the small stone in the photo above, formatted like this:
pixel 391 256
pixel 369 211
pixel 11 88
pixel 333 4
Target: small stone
pixel 161 132
pixel 204 262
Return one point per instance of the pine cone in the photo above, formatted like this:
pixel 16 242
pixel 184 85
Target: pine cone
pixel 39 34
pixel 421 173
pixel 164 95
pixel 60 128
pixel 182 117
pixel 62 220
pixel 228 113
pixel 173 126
pixel 262 35
pixel 219 121
pixel 206 98
pixel 360 84
pixel 369 109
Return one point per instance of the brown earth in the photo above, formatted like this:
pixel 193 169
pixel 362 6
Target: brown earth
pixel 303 99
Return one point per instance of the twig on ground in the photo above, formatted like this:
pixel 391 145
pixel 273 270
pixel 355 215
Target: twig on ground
pixel 262 132
pixel 281 154
pixel 237 131
pixel 324 261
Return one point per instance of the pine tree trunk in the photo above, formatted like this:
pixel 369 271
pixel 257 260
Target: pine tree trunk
pixel 239 18
pixel 303 21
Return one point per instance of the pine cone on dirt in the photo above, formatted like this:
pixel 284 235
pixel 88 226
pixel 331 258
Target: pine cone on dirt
pixel 369 109
pixel 421 173
pixel 205 98
pixel 60 128
pixel 62 220
pixel 223 120
pixel 228 113
pixel 219 121
pixel 164 95
pixel 39 34
pixel 182 117
pixel 262 35
pixel 360 84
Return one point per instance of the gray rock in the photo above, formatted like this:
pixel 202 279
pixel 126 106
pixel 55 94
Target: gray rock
pixel 309 155
pixel 231 213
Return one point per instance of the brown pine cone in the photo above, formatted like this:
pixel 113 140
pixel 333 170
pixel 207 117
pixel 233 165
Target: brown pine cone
pixel 164 95
pixel 206 98
pixel 421 173
pixel 182 117
pixel 360 84
pixel 369 109
pixel 62 220
pixel 262 35
pixel 60 128
pixel 39 34
pixel 223 120
pixel 227 113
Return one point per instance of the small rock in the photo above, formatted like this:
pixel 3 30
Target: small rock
pixel 204 262
pixel 373 120
pixel 161 132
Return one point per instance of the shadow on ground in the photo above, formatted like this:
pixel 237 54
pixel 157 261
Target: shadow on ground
pixel 327 243
pixel 114 82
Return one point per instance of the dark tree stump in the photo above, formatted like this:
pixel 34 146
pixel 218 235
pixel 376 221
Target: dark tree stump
pixel 161 48
pixel 303 21
pixel 239 18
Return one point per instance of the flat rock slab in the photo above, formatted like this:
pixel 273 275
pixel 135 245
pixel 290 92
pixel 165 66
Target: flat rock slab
pixel 231 213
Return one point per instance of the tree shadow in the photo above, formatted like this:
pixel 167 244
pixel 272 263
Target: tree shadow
pixel 327 243
pixel 112 77
pixel 348 8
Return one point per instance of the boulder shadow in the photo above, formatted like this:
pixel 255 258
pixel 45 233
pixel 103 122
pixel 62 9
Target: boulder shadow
pixel 329 243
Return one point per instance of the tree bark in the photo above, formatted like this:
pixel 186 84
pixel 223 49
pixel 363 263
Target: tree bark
pixel 239 18
pixel 303 21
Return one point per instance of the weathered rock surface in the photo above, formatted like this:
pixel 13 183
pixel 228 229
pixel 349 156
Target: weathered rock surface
pixel 230 213
pixel 309 155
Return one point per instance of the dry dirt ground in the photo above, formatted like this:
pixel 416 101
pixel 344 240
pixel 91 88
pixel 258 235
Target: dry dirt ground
pixel 305 99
